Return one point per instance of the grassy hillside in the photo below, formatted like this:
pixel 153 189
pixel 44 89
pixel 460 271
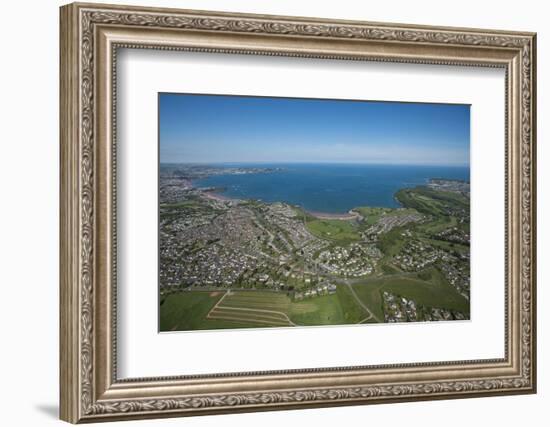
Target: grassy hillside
pixel 333 229
pixel 197 310
pixel 428 288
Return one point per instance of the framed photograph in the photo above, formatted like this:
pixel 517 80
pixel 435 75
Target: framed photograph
pixel 266 212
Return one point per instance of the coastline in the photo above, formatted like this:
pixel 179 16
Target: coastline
pixel 350 215
pixel 214 195
pixel 342 207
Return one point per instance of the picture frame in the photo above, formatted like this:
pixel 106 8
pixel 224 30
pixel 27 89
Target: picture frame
pixel 91 36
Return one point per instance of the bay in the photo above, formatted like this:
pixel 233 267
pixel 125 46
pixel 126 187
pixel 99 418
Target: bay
pixel 331 188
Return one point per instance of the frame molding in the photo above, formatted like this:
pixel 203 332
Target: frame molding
pixel 90 37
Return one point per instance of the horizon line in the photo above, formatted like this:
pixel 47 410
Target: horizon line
pixel 201 163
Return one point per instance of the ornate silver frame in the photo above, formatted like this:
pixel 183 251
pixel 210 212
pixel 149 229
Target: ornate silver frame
pixel 90 36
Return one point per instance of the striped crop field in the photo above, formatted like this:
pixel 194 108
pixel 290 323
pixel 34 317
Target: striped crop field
pixel 258 308
pixel 223 309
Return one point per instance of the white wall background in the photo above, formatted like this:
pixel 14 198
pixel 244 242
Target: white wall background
pixel 29 170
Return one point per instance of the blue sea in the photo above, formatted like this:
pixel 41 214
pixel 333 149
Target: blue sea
pixel 330 188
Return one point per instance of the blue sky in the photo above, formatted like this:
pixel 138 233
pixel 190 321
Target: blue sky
pixel 236 129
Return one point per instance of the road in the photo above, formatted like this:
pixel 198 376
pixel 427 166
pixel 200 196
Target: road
pixel 371 314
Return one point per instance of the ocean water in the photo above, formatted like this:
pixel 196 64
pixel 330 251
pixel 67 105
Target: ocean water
pixel 330 188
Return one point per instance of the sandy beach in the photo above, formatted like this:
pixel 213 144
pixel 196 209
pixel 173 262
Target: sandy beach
pixel 342 216
pixel 351 215
pixel 217 196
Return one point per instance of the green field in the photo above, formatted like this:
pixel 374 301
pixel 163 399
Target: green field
pixel 441 208
pixel 371 297
pixel 180 312
pixel 333 229
pixel 428 288
pixel 389 268
pixel 448 246
pixel 431 202
pixel 199 310
pixel 372 215
pixel 390 243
